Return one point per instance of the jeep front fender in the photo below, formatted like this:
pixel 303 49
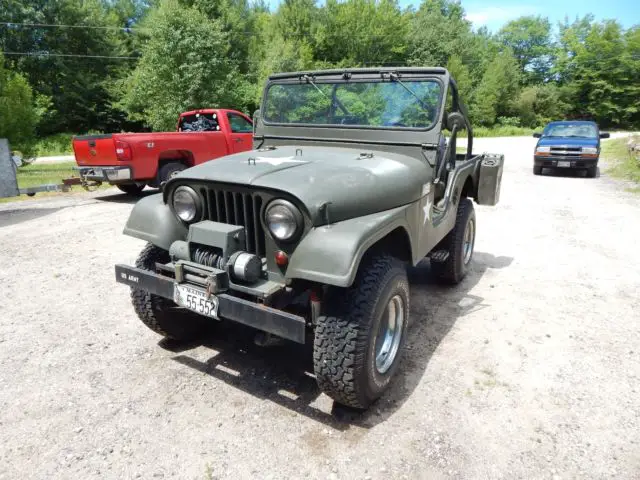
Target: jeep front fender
pixel 152 220
pixel 331 254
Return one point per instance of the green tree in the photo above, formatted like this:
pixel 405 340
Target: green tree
pixel 530 40
pixel 17 112
pixel 184 65
pixel 62 63
pixel 498 88
pixel 361 33
pixel 437 31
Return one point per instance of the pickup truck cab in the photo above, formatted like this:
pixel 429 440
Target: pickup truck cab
pixel 568 145
pixel 131 161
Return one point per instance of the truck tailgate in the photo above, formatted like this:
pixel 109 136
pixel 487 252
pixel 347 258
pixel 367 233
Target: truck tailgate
pixel 95 150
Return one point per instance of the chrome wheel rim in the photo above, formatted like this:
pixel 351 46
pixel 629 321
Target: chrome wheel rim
pixel 469 238
pixel 389 334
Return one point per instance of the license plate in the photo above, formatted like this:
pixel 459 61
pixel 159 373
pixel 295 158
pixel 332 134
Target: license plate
pixel 196 300
pixel 564 164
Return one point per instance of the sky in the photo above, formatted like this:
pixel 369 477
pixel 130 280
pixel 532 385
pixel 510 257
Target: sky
pixel 495 13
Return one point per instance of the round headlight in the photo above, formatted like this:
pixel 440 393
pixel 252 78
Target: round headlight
pixel 186 203
pixel 283 219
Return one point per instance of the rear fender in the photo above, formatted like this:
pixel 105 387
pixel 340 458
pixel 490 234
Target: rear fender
pixel 332 254
pixel 152 220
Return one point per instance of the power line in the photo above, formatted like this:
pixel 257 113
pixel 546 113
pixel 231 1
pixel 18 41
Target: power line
pixel 54 25
pixel 46 54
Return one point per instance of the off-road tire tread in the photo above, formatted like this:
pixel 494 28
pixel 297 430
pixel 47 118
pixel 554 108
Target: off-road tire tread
pixel 341 337
pixel 446 271
pixel 155 311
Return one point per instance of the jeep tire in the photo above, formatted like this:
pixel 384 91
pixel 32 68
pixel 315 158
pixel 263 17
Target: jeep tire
pixel 158 313
pixel 360 338
pixel 459 242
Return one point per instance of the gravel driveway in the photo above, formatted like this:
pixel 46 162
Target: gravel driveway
pixel 528 369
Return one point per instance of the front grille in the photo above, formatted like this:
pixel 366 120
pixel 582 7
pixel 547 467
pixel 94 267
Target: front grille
pixel 566 151
pixel 240 208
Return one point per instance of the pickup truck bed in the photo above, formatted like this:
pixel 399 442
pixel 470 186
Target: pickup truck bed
pixel 133 160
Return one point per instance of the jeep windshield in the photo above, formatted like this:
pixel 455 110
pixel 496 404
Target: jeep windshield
pixel 365 104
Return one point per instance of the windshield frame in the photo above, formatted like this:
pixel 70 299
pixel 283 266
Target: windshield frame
pixel 371 78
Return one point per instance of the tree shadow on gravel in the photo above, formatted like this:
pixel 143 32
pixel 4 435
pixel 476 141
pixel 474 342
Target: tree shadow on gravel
pixel 284 374
pixel 122 197
pixel 20 215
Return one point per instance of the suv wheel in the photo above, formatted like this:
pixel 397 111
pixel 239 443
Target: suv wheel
pixel 537 170
pixel 158 313
pixel 459 244
pixel 592 172
pixel 358 343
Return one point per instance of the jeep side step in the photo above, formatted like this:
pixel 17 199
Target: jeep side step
pixel 438 255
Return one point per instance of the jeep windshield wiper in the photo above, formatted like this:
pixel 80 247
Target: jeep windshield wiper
pixel 337 102
pixel 394 78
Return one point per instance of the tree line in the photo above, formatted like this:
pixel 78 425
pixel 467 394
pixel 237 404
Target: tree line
pixel 125 65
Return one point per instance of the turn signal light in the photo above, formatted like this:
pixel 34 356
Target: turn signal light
pixel 281 258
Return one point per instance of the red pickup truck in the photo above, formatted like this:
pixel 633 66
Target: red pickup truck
pixel 131 161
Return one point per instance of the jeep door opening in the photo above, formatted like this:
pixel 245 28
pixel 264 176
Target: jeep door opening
pixel 309 234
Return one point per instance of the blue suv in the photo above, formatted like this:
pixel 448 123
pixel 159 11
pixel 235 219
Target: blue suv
pixel 568 145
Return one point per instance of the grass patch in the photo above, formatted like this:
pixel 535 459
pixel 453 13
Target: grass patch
pixel 40 174
pixel 58 144
pixel 504 131
pixel 623 165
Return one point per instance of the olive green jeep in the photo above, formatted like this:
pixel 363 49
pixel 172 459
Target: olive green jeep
pixel 307 237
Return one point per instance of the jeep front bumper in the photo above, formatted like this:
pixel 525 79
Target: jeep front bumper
pixel 229 307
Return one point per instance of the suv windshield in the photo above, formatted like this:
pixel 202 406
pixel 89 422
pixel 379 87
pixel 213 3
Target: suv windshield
pixel 581 130
pixel 412 104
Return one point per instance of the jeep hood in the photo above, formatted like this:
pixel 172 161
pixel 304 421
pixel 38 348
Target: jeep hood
pixel 357 182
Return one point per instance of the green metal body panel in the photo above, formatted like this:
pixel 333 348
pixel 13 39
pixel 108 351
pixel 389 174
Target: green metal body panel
pixel 153 221
pixel 331 254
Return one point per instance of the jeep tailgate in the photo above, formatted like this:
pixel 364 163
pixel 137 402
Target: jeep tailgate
pixel 95 150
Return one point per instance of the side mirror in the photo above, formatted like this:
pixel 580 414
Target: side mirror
pixel 537 135
pixel 605 135
pixel 455 119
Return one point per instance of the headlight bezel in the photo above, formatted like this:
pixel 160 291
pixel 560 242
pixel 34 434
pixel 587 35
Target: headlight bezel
pixel 295 213
pixel 197 201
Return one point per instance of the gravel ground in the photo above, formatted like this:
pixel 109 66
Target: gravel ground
pixel 528 369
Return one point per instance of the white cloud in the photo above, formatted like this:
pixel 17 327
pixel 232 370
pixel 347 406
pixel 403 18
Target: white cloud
pixel 494 17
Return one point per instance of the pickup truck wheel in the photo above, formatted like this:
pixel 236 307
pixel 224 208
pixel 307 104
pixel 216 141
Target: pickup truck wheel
pixel 158 313
pixel 592 172
pixel 459 243
pixel 168 170
pixel 537 170
pixel 358 343
pixel 131 188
